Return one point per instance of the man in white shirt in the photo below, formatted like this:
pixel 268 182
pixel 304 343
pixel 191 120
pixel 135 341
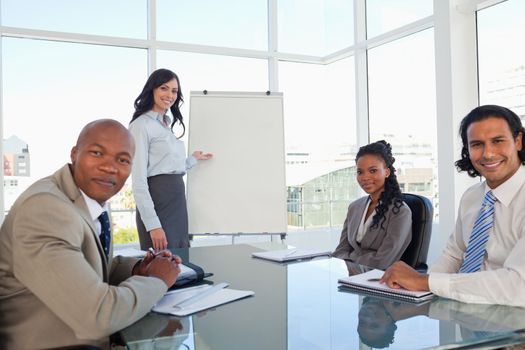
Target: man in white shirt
pixel 492 148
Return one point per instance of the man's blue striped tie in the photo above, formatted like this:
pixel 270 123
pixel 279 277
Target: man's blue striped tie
pixel 479 236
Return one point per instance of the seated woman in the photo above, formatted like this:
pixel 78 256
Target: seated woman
pixel 378 227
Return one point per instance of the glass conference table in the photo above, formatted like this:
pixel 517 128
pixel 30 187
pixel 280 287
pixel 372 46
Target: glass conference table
pixel 298 305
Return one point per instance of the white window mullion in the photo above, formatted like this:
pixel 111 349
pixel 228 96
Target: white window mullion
pixel 152 35
pixel 2 206
pixel 273 62
pixel 456 95
pixel 361 75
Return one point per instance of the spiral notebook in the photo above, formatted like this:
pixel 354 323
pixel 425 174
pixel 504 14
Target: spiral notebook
pixel 369 282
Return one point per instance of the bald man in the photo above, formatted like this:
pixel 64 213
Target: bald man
pixel 57 285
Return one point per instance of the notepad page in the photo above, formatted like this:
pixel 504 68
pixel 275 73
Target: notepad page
pixel 363 280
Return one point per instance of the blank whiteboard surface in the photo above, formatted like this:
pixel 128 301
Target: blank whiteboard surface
pixel 242 189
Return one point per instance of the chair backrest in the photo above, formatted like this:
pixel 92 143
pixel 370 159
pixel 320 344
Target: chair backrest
pixel 422 213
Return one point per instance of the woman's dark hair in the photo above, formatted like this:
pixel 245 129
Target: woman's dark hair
pixel 392 192
pixel 481 113
pixel 144 102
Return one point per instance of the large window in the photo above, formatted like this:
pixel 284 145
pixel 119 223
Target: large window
pixel 501 57
pixel 230 23
pixel 402 109
pixel 319 111
pixel 51 90
pixel 65 80
pixel 122 18
pixel 385 15
pixel 315 27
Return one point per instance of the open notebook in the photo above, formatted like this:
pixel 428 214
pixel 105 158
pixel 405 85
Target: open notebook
pixel 290 254
pixel 369 282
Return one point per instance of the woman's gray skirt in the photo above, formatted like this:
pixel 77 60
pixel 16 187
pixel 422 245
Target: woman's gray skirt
pixel 169 199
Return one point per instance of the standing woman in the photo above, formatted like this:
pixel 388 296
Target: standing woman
pixel 378 227
pixel 160 163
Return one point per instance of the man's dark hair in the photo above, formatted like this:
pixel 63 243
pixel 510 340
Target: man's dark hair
pixel 482 113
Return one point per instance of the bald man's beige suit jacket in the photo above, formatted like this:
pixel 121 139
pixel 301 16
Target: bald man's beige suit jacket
pixel 56 288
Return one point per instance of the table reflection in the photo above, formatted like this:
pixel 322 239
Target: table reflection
pixel 163 332
pixel 299 306
pixel 377 320
pixel 478 320
pixel 379 316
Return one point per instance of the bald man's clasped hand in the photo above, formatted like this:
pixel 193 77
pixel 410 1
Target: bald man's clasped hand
pixel 163 265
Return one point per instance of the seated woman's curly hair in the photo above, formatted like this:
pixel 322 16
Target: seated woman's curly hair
pixel 392 192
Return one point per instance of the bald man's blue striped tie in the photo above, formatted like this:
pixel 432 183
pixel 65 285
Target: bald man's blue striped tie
pixel 479 236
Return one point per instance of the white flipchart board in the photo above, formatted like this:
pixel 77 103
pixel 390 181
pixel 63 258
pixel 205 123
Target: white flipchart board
pixel 242 189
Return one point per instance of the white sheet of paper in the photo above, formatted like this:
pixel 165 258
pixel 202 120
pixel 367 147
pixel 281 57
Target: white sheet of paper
pixel 290 254
pixel 222 296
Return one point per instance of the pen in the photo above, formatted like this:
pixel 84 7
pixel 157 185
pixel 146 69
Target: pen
pixel 374 279
pixel 154 253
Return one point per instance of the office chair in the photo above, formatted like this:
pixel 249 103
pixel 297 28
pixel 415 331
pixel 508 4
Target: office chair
pixel 422 212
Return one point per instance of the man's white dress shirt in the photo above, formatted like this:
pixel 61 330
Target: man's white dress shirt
pixel 501 279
